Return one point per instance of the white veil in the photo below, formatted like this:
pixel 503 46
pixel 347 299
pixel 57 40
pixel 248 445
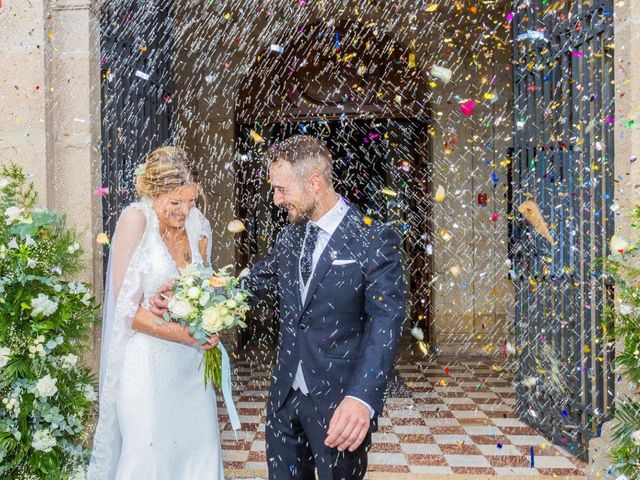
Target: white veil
pixel 123 294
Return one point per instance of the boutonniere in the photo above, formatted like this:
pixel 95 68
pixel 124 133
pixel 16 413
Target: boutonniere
pixel 333 254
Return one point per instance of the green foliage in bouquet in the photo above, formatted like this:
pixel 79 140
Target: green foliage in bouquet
pixel 622 264
pixel 46 395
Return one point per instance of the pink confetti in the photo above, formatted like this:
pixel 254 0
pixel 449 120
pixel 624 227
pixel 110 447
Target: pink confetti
pixel 510 16
pixel 495 217
pixel 467 108
pixel 610 120
pixel 577 54
pixel 101 192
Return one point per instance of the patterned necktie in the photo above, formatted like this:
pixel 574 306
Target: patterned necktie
pixel 306 261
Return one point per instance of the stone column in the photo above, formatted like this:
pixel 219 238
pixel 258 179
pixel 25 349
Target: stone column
pixel 23 91
pixel 627 174
pixel 50 110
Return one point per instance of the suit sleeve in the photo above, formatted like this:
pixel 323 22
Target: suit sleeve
pixel 262 282
pixel 385 310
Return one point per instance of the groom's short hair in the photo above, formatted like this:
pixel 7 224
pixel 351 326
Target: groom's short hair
pixel 306 154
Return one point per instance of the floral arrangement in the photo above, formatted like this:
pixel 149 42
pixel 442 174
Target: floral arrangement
pixel 623 266
pixel 207 302
pixel 46 395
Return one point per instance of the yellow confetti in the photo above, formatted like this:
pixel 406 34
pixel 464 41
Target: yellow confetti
pixel 412 60
pixel 388 192
pixel 256 137
pixel 440 193
pixel 432 8
pixel 368 221
pixel 102 239
pixel 455 270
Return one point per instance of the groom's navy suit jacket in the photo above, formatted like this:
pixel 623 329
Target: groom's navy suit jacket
pixel 347 331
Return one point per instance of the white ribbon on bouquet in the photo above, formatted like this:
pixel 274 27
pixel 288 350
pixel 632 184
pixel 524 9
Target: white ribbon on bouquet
pixel 226 389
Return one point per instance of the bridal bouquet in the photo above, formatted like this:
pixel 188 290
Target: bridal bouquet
pixel 207 302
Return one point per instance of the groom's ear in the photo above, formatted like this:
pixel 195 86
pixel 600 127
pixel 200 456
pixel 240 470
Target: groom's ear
pixel 316 182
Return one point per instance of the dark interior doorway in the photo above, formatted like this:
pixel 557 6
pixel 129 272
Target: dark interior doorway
pixel 380 165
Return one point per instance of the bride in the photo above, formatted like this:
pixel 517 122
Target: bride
pixel 157 419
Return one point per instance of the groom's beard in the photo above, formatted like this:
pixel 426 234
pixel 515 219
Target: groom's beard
pixel 304 213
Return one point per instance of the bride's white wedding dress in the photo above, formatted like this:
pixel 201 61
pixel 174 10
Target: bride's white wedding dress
pixel 157 419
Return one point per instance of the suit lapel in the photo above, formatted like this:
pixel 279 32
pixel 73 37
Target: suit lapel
pixel 337 242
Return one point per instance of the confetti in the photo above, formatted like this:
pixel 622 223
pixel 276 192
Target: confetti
pixel 236 226
pixel 531 212
pixel 467 108
pixel 441 73
pixel 256 137
pixel 440 194
pixel 102 239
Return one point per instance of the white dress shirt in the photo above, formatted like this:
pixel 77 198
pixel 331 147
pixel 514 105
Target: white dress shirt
pixel 327 225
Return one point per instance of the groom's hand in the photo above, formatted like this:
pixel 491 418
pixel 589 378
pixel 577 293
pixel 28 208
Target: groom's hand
pixel 159 305
pixel 349 425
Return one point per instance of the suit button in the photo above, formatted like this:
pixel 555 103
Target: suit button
pixel 302 327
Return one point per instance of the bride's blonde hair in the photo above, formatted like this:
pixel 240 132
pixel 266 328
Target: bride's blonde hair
pixel 165 170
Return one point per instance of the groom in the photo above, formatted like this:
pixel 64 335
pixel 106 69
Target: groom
pixel 339 282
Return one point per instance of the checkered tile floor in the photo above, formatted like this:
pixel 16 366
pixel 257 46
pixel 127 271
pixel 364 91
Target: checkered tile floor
pixel 460 420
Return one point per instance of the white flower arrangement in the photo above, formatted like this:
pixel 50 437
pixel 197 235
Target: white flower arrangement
pixel 5 356
pixel 69 361
pixel 12 214
pixel 46 386
pixel 43 441
pixel 42 304
pixel 46 395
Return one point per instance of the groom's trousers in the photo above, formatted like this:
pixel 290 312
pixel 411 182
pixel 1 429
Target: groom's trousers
pixel 295 436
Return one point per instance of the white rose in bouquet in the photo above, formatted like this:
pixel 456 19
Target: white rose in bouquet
pixel 43 441
pixel 5 353
pixel 193 293
pixel 42 304
pixel 212 321
pixel 180 308
pixel 46 386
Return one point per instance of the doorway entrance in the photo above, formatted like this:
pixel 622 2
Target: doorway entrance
pixel 380 165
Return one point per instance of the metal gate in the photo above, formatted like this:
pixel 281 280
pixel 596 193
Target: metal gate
pixel 135 37
pixel 563 160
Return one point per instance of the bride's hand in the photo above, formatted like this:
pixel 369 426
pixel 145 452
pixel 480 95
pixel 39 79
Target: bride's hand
pixel 159 304
pixel 212 342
